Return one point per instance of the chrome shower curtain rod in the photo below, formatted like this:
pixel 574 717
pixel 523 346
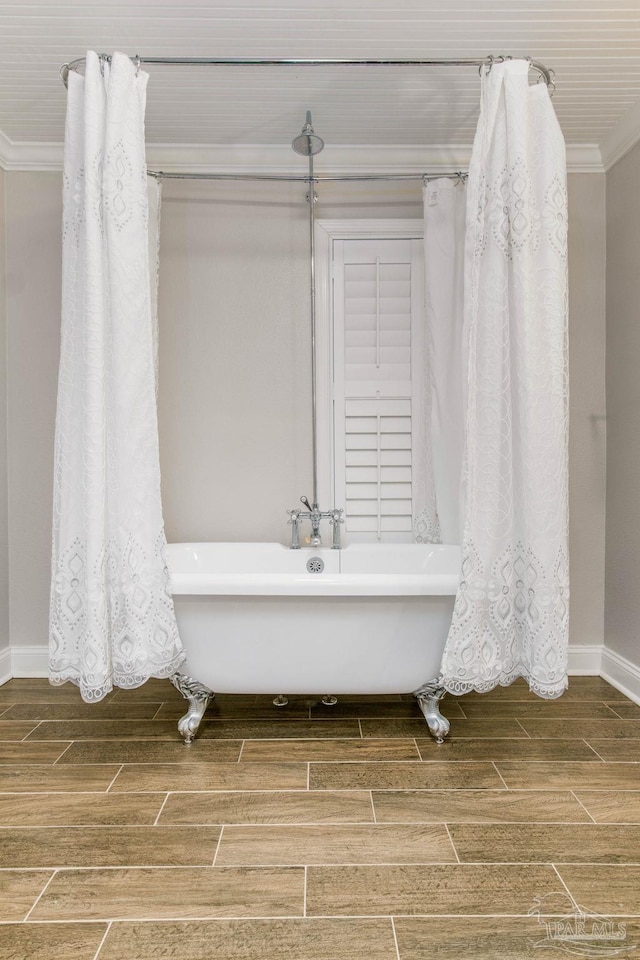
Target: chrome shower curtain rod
pixel 162 175
pixel 544 73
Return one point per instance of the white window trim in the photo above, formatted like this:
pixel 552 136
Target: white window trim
pixel 326 231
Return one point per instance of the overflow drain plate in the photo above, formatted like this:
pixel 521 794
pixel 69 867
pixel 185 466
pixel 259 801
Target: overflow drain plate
pixel 315 565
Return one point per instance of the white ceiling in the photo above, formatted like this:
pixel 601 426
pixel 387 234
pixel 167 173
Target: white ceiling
pixel 593 45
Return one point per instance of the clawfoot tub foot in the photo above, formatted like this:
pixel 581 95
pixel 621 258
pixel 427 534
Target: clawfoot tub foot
pixel 199 698
pixel 429 696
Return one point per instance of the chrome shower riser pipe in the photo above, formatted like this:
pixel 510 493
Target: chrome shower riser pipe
pixel 311 198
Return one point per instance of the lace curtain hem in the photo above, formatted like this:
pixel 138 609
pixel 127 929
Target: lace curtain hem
pixel 127 681
pixel 510 621
pixel 548 691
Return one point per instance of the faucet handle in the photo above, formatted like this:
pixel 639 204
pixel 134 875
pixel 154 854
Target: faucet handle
pixel 305 501
pixel 294 515
pixel 335 521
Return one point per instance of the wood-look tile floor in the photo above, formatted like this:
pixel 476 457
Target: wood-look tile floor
pixel 317 833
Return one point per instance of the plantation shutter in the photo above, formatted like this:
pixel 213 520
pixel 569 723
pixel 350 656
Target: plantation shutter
pixel 378 383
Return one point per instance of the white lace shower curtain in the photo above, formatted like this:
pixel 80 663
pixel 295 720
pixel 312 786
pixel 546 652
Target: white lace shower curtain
pixel 444 240
pixel 511 614
pixel 112 620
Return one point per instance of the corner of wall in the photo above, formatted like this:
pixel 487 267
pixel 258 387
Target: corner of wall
pixel 621 655
pixel 5 650
pixel 623 138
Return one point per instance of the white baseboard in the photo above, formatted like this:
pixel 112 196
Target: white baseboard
pixel 32 661
pixel 5 665
pixel 585 660
pixel 621 673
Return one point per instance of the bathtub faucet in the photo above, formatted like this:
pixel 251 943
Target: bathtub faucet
pixel 315 515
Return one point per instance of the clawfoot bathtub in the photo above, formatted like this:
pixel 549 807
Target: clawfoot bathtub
pixel 260 618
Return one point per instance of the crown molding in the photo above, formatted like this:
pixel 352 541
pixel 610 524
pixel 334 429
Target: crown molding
pixel 279 160
pixel 335 159
pixel 5 146
pixel 584 158
pixel 29 156
pixel 622 138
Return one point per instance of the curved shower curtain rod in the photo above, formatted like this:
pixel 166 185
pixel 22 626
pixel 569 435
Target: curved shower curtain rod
pixel 544 73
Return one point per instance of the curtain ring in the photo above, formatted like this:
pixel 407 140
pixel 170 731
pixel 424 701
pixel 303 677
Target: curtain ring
pixel 103 58
pixel 487 66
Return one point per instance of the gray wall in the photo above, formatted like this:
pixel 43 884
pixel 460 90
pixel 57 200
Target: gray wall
pixel 587 424
pixel 622 610
pixel 34 266
pixel 234 370
pixel 234 395
pixel 4 519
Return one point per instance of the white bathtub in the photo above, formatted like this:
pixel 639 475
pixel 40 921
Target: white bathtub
pixel 254 620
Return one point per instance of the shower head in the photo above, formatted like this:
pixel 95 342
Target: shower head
pixel 307 143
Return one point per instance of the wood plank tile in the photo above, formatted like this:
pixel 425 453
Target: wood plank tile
pixel 609 890
pixel 39 690
pixel 330 843
pixel 612 806
pixel 281 728
pixel 32 752
pixel 17 730
pixel 479 806
pixel 106 730
pixel 506 750
pixel 588 687
pixel 546 843
pixel 616 749
pixel 442 889
pixel 50 941
pixel 308 939
pixel 82 711
pixel 107 846
pixel 542 709
pixel 154 689
pixel 371 709
pixel 79 809
pixel 153 751
pixel 407 775
pixel 238 708
pixel 19 890
pixel 302 806
pixel 522 775
pixel 459 728
pixel 173 893
pixel 580 688
pixel 586 729
pixel 626 709
pixel 141 777
pixel 377 697
pixel 488 938
pixel 40 778
pixel 307 750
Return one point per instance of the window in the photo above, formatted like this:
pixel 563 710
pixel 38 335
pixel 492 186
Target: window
pixel 377 377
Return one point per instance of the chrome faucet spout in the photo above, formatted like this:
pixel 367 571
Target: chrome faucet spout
pixel 315 515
